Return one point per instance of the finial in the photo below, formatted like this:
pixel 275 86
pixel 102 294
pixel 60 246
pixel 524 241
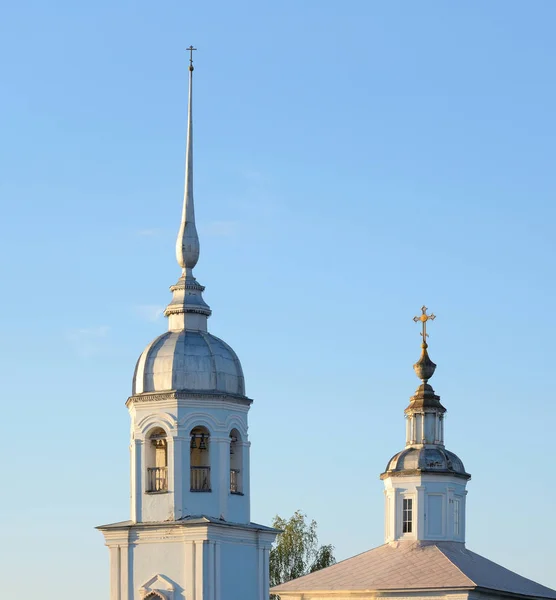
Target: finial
pixel 187 245
pixel 424 367
pixel 188 310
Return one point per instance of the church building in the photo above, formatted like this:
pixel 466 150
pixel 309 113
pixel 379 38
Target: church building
pixel 424 555
pixel 190 534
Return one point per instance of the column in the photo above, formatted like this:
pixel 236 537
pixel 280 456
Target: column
pixel 115 573
pixel 170 467
pixel 246 480
pixel 136 479
pixel 189 570
pixel 178 449
pixel 124 572
pixel 199 561
pixel 221 463
pixel 420 513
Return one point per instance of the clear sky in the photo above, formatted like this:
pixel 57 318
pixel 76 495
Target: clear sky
pixel 352 161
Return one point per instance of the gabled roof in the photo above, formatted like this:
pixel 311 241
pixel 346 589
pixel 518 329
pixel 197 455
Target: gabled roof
pixel 411 566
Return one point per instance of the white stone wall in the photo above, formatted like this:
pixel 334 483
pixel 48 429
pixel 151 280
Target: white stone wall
pixel 201 562
pixel 177 417
pixel 438 507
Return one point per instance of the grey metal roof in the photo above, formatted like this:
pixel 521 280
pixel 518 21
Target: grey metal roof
pixel 411 566
pixel 425 459
pixel 188 360
pixel 191 520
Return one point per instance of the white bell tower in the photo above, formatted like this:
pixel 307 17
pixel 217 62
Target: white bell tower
pixel 425 483
pixel 190 535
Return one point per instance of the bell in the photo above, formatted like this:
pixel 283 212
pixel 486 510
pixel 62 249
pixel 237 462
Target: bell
pixel 202 445
pixel 193 445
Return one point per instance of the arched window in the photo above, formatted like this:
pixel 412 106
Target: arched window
pixel 153 596
pixel 156 454
pixel 236 460
pixel 200 459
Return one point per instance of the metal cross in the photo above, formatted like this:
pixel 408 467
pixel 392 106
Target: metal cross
pixel 424 318
pixel 191 54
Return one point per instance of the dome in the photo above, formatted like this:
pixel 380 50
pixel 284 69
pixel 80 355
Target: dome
pixel 425 459
pixel 188 360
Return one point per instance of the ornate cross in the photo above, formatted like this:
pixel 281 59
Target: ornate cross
pixel 191 54
pixel 424 318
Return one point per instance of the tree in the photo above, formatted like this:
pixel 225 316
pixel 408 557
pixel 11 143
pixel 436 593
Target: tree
pixel 296 551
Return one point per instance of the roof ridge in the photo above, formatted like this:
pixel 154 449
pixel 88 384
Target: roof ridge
pixel 441 550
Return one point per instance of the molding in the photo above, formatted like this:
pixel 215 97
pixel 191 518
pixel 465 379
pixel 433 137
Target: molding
pixel 187 395
pixel 420 472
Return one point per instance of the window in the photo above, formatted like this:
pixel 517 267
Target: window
pixel 407 517
pixel 200 460
pixel 456 518
pixel 157 461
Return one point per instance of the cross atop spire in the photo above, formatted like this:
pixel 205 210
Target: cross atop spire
pixel 424 318
pixel 424 367
pixel 191 49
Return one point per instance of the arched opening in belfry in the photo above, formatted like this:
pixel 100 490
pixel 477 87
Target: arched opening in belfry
pixel 154 596
pixel 156 454
pixel 200 459
pixel 236 462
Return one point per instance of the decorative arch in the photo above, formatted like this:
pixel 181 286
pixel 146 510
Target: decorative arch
pixel 202 420
pixel 163 420
pixel 156 460
pixel 199 459
pixel 236 422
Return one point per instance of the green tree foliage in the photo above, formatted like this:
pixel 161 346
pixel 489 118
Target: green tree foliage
pixel 297 551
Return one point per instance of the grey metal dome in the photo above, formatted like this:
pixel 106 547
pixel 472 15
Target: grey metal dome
pixel 188 360
pixel 425 459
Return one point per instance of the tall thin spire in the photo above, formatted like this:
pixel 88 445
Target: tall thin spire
pixel 187 244
pixel 188 310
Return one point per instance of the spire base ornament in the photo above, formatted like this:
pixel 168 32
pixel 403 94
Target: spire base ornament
pixel 424 368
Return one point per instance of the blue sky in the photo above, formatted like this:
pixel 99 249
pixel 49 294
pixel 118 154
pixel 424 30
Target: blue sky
pixel 352 162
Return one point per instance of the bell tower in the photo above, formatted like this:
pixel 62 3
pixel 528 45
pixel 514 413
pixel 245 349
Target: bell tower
pixel 190 534
pixel 425 483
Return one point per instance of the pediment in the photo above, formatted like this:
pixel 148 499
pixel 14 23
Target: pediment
pixel 158 587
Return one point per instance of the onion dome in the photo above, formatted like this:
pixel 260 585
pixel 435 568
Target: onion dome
pixel 192 361
pixel 187 358
pixel 424 459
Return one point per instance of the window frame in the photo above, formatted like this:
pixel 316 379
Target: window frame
pixel 407 515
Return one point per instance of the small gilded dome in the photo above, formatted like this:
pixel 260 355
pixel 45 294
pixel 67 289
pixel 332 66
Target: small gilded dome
pixel 188 360
pixel 423 459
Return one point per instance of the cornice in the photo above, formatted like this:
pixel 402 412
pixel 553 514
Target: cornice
pixel 188 395
pixel 184 308
pixel 413 472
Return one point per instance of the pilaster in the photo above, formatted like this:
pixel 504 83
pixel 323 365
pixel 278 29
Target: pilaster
pixel 420 512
